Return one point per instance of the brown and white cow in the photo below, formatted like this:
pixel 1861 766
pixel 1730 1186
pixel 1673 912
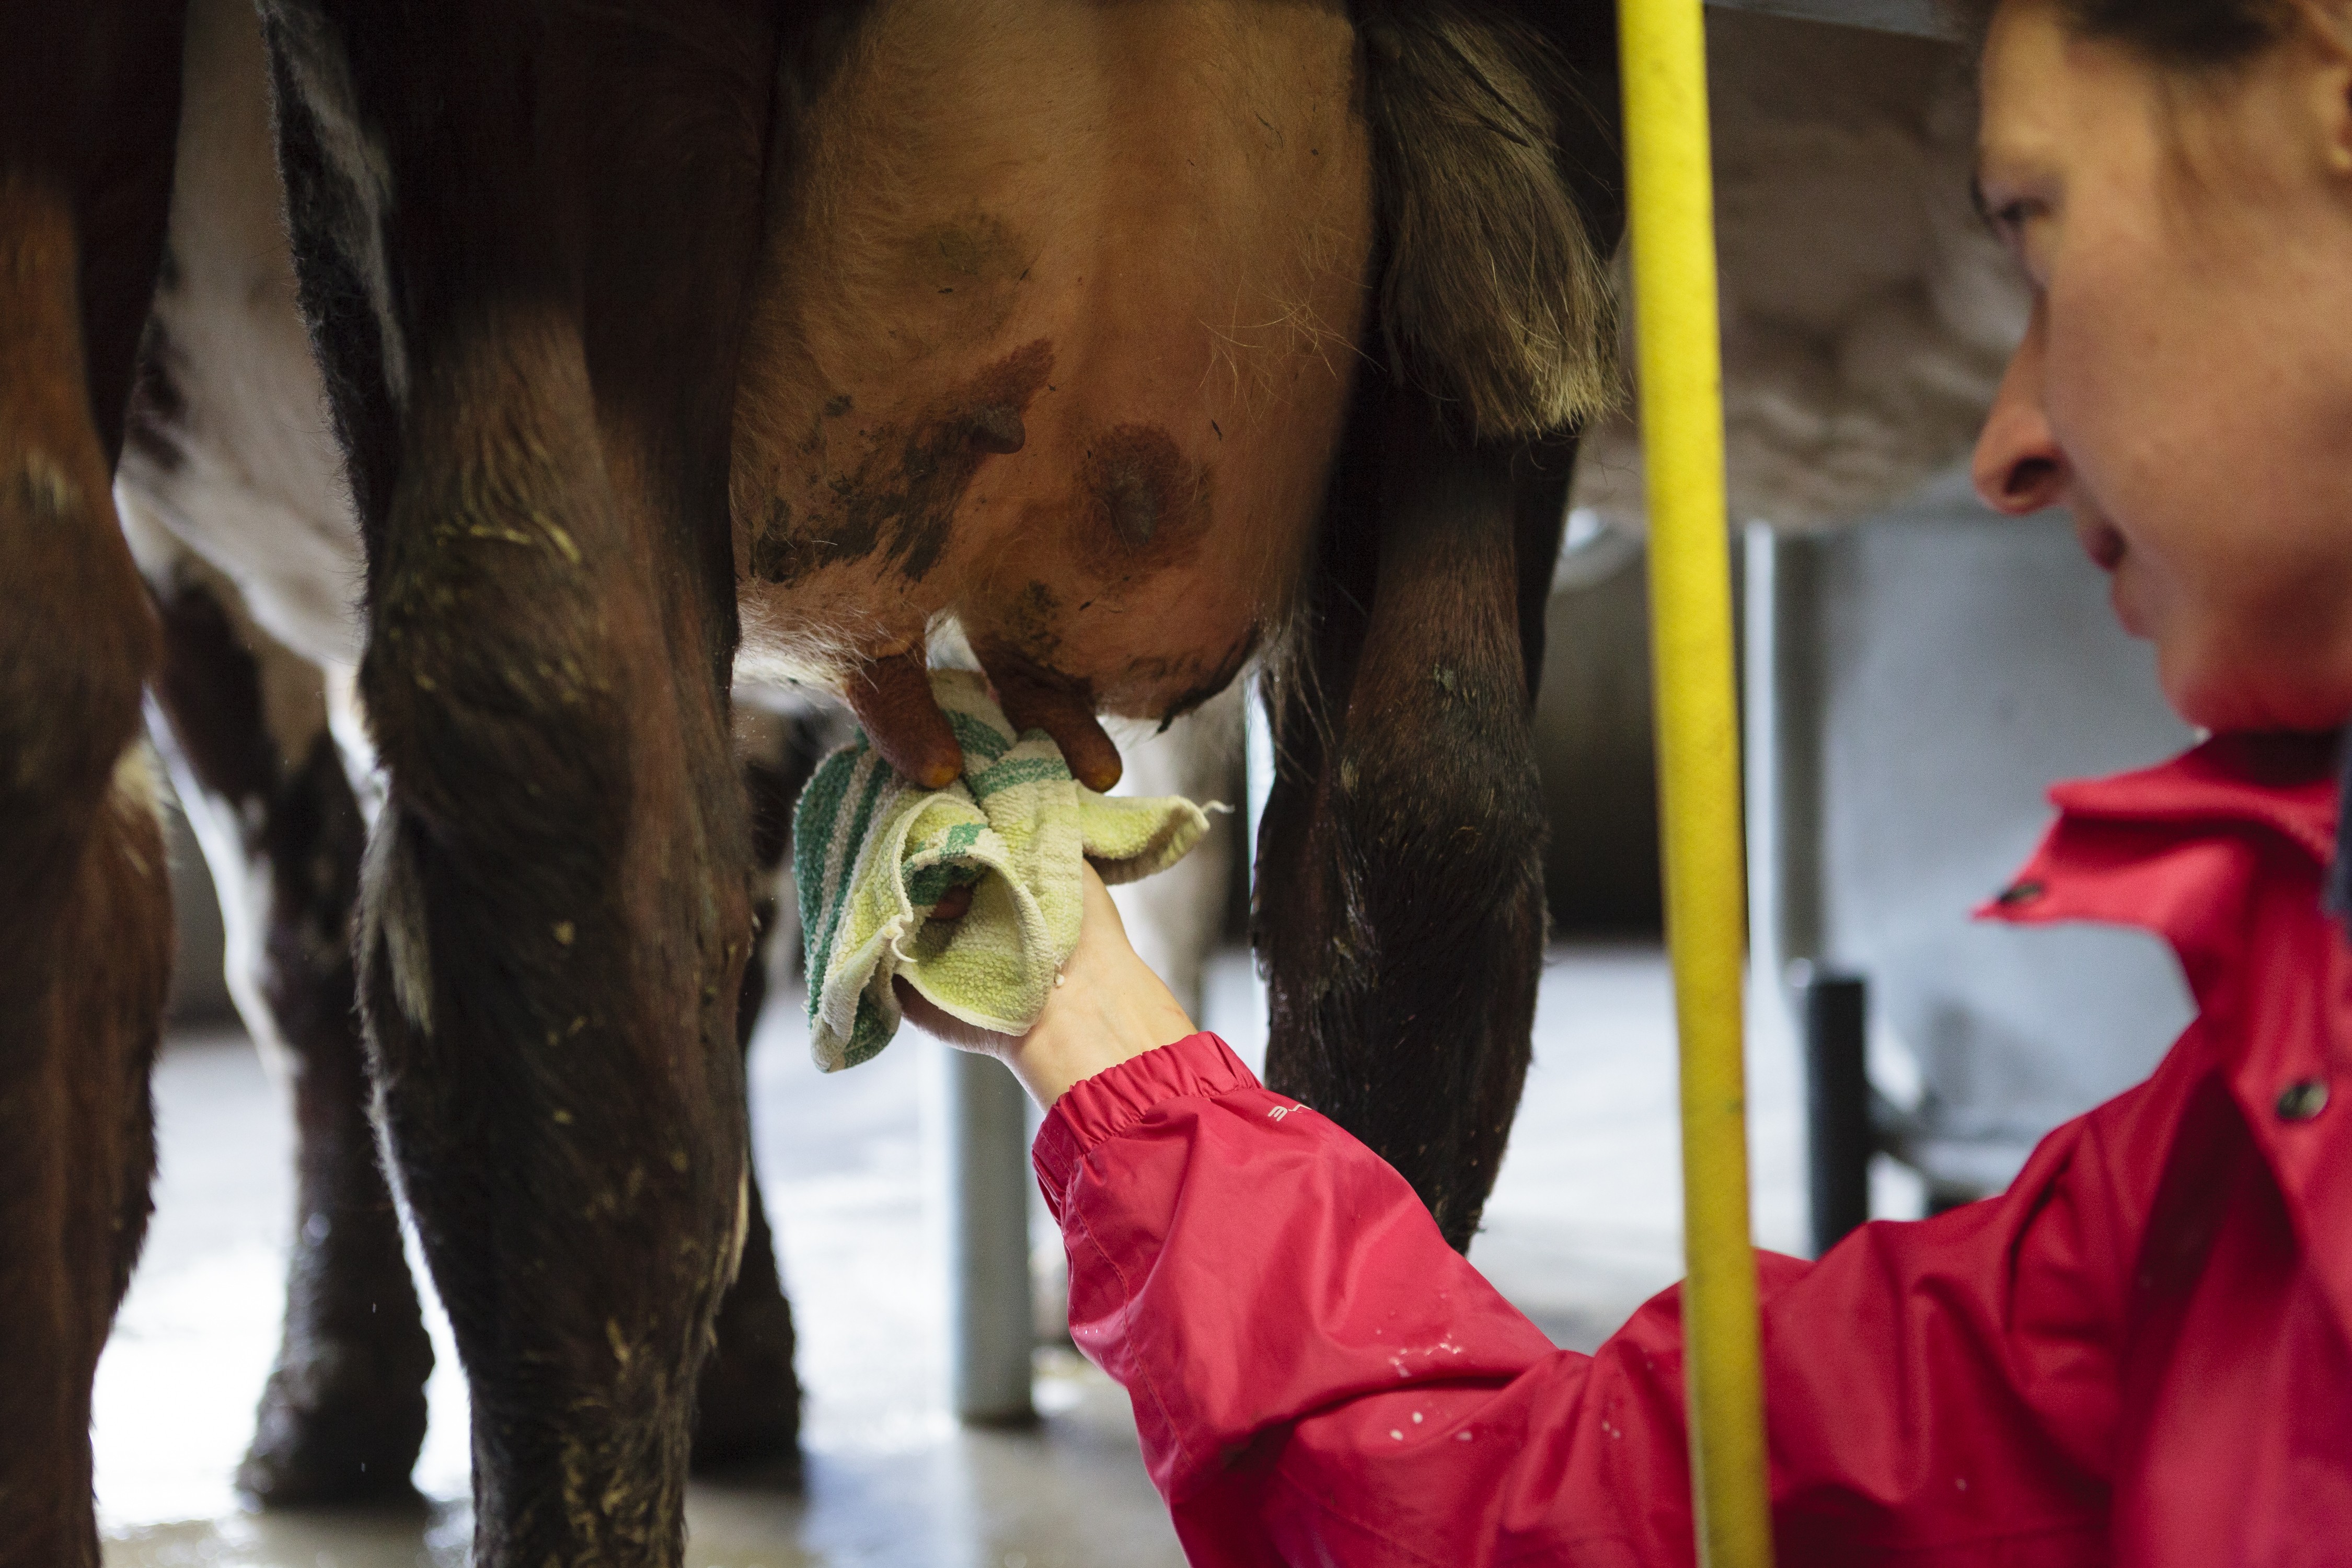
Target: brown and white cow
pixel 1123 341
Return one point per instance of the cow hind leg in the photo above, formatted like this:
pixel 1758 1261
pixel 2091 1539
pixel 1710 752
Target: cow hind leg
pixel 84 909
pixel 343 1415
pixel 1399 911
pixel 556 918
pixel 555 909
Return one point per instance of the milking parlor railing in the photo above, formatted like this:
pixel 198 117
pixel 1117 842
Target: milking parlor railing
pixel 1670 187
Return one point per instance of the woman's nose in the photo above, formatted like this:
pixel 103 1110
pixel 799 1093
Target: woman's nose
pixel 2019 466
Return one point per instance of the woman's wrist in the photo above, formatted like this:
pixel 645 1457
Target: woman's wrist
pixel 1106 1008
pixel 1098 1020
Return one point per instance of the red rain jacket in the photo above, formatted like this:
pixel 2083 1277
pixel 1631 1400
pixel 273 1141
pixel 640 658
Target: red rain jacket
pixel 2140 1354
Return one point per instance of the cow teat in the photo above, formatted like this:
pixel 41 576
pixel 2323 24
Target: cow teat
pixel 1062 706
pixel 891 696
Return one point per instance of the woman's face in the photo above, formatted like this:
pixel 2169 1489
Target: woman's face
pixel 2186 385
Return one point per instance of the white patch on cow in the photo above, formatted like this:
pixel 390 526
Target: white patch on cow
pixel 136 792
pixel 392 924
pixel 732 1264
pixel 247 476
pixel 321 76
pixel 49 491
pixel 294 713
pixel 241 888
pixel 783 653
pixel 347 719
pixel 294 683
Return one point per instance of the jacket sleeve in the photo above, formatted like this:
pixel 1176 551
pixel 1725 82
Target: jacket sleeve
pixel 1317 1378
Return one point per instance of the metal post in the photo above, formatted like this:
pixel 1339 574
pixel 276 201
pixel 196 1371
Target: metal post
pixel 991 1332
pixel 1785 697
pixel 1835 1010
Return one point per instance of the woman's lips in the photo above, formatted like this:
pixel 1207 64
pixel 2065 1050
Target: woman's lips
pixel 2102 543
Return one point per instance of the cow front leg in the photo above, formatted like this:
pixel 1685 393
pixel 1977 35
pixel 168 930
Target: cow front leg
pixel 262 782
pixel 1400 910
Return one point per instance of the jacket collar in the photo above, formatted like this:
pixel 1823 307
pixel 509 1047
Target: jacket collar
pixel 2285 782
pixel 2222 851
pixel 2178 848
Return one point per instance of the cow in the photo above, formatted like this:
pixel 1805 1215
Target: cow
pixel 232 497
pixel 1123 346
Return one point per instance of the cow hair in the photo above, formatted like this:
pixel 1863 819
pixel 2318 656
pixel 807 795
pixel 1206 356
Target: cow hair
pixel 1493 297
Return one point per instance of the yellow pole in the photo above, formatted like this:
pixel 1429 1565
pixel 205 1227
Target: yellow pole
pixel 1663 50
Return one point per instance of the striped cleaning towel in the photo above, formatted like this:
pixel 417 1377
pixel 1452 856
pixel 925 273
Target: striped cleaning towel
pixel 873 855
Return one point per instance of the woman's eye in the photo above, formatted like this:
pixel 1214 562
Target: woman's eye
pixel 2009 220
pixel 2019 226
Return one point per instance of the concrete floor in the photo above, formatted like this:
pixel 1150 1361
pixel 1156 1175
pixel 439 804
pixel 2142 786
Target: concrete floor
pixel 1582 1227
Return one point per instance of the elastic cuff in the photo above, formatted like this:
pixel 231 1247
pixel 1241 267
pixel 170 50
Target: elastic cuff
pixel 1105 1105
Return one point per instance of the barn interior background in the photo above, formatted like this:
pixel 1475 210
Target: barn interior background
pixel 1900 734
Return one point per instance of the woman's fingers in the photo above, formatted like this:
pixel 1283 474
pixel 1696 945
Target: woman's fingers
pixel 1034 701
pixel 925 1015
pixel 892 699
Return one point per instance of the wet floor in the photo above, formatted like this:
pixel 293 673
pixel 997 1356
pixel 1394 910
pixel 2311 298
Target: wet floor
pixel 1582 1227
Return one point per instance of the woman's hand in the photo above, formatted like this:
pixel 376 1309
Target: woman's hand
pixel 1106 1008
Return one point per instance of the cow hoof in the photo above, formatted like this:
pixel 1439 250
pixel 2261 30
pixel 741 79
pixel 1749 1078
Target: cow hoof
pixel 339 1426
pixel 748 1408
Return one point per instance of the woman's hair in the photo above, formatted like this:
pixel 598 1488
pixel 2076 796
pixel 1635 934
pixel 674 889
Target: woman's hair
pixel 2184 34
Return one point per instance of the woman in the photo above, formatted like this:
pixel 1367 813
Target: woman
pixel 2143 1352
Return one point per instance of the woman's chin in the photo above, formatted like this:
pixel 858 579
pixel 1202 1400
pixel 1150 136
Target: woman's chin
pixel 2217 697
pixel 2204 696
